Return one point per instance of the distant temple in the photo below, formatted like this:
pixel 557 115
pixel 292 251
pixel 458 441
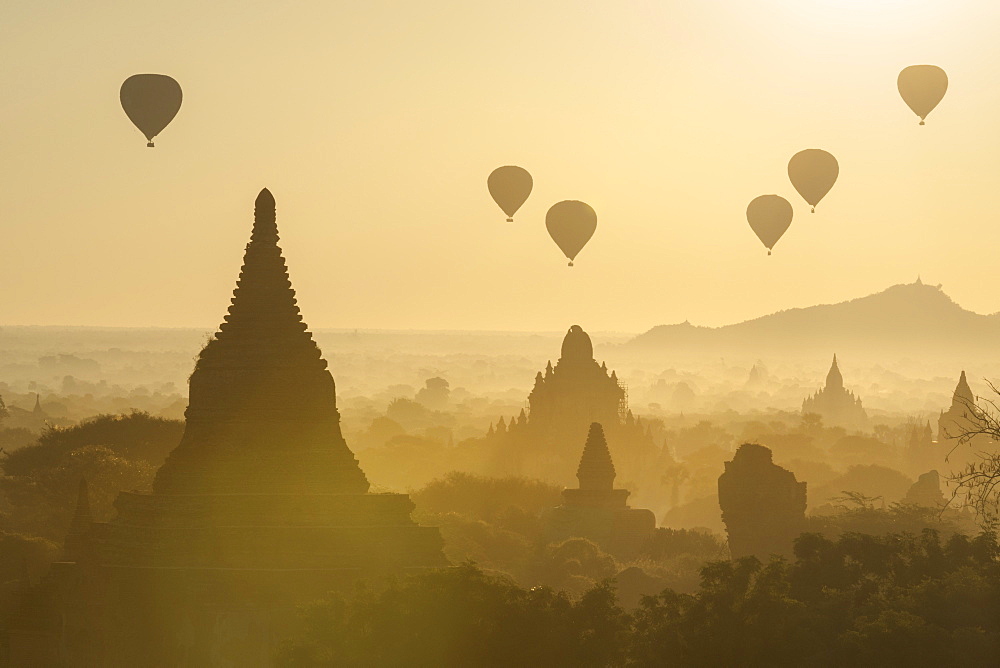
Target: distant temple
pixel 836 404
pixel 955 422
pixel 957 419
pixel 596 510
pixel 763 505
pixel 566 399
pixel 261 507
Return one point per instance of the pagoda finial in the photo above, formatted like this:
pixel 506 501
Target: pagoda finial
pixel 265 227
pixel 834 379
pixel 963 396
pixel 38 403
pixel 596 470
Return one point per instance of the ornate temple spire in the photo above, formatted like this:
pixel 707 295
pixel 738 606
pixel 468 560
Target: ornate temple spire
pixel 38 404
pixel 596 470
pixel 548 369
pixel 522 419
pixel 263 306
pixel 262 409
pixel 963 397
pixel 501 426
pixel 834 379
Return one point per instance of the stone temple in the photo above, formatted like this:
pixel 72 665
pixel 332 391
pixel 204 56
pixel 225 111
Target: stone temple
pixel 544 441
pixel 596 510
pixel 763 505
pixel 836 404
pixel 260 508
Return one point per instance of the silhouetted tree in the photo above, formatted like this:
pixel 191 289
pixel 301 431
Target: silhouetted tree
pixel 979 480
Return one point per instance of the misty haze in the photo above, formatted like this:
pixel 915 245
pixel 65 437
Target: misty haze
pixel 470 334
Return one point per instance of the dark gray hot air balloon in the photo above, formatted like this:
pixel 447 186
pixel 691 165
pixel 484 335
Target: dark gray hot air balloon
pixel 571 224
pixel 510 187
pixel 813 172
pixel 922 87
pixel 150 101
pixel 769 216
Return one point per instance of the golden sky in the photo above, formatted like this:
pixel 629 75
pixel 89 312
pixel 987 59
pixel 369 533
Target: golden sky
pixel 375 125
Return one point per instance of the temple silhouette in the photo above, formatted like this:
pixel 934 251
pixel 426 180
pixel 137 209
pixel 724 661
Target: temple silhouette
pixel 543 441
pixel 596 510
pixel 955 422
pixel 836 404
pixel 763 505
pixel 952 423
pixel 261 507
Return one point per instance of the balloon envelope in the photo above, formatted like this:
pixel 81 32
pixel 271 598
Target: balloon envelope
pixel 510 187
pixel 150 101
pixel 813 172
pixel 571 224
pixel 922 87
pixel 769 216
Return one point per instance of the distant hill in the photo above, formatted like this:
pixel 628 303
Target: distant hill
pixel 913 319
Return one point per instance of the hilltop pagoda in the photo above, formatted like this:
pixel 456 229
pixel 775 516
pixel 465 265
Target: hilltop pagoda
pixel 260 508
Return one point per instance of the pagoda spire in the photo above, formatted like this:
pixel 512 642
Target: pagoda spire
pixel 963 396
pixel 263 408
pixel 596 470
pixel 834 379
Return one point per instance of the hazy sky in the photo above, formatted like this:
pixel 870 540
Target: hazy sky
pixel 375 125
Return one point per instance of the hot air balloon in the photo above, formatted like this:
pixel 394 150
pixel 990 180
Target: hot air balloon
pixel 769 216
pixel 813 172
pixel 150 101
pixel 922 87
pixel 510 187
pixel 571 224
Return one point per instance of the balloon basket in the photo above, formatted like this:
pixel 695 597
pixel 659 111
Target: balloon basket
pixel 510 220
pixel 570 264
pixel 149 145
pixel 768 252
pixel 813 210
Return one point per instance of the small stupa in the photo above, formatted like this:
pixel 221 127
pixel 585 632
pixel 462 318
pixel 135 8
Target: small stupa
pixel 595 509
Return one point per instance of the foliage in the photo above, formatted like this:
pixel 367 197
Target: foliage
pixel 487 499
pixel 41 502
pixel 135 436
pixel 896 600
pixel 460 617
pixel 979 481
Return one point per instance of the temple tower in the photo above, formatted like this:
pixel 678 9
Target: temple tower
pixel 262 412
pixel 261 507
pixel 763 505
pixel 836 404
pixel 595 509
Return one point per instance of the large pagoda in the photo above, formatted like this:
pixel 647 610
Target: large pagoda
pixel 260 508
